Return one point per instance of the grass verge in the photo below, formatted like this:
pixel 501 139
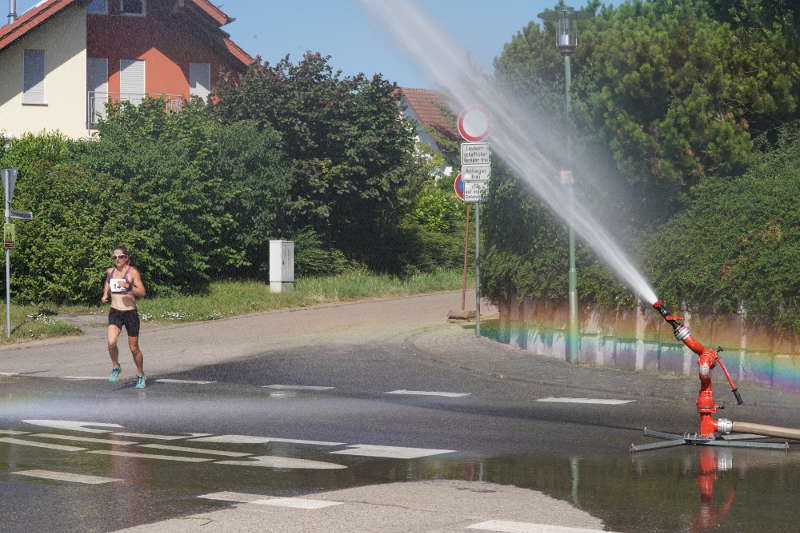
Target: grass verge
pixel 230 298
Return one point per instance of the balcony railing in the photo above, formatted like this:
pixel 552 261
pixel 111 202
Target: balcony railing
pixel 96 103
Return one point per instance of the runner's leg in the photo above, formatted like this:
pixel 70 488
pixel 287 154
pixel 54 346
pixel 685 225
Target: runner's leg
pixel 138 358
pixel 112 333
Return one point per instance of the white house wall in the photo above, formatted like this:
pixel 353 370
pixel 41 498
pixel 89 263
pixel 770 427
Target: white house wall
pixel 63 38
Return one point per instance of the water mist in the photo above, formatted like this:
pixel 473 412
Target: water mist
pixel 515 137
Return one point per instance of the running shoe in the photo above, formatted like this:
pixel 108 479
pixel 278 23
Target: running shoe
pixel 114 374
pixel 140 382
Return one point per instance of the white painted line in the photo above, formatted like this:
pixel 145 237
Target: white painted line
pixel 597 401
pixel 296 503
pixel 429 393
pixel 507 526
pixel 390 452
pixel 66 476
pixel 179 458
pixel 297 387
pixel 235 497
pixel 275 461
pixel 84 439
pixel 252 439
pixel 184 381
pixel 195 450
pixel 72 425
pixel 86 378
pixel 149 436
pixel 11 432
pixel 9 374
pixel 61 447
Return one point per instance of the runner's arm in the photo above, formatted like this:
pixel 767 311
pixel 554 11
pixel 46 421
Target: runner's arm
pixel 136 284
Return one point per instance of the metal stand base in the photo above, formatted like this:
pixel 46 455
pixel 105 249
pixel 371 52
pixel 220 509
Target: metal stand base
pixel 670 440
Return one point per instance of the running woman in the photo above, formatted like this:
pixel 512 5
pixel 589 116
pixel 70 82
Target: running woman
pixel 122 286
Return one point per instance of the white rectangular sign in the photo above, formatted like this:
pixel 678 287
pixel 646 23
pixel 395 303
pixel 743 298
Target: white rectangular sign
pixel 474 191
pixel 476 172
pixel 476 154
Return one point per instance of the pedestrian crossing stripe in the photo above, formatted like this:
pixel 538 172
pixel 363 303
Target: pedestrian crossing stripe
pixel 66 476
pixel 257 499
pixel 596 401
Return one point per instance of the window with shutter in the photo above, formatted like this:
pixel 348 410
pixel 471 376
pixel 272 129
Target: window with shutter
pixel 131 80
pixel 33 77
pixel 199 80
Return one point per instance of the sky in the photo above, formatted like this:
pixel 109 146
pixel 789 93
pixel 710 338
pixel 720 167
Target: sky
pixel 343 30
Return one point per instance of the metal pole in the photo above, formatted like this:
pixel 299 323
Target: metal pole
pixel 6 207
pixel 573 276
pixel 8 292
pixel 477 269
pixel 466 245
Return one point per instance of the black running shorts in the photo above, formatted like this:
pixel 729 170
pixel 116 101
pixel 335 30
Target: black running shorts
pixel 129 319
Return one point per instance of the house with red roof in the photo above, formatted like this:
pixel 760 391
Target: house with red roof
pixel 63 60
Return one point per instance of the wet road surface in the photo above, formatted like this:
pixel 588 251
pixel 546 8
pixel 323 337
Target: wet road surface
pixel 422 429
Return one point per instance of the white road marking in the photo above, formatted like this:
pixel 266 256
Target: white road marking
pixel 11 432
pixel 429 393
pixel 61 447
pixel 194 450
pixel 297 387
pixel 184 381
pixel 86 378
pixel 9 374
pixel 507 526
pixel 179 458
pixel 296 503
pixel 149 436
pixel 72 425
pixel 597 401
pixel 84 439
pixel 390 452
pixel 67 476
pixel 251 439
pixel 275 461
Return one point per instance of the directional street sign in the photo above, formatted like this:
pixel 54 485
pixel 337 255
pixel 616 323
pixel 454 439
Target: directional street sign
pixel 23 215
pixel 474 191
pixel 476 154
pixel 476 172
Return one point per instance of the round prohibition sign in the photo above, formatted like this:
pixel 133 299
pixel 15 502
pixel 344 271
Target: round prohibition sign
pixel 473 123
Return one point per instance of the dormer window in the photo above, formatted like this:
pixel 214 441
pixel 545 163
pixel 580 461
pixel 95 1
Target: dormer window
pixel 132 7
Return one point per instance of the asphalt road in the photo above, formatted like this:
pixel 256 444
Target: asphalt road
pixel 374 416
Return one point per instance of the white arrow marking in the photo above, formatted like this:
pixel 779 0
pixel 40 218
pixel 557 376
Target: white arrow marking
pixel 72 425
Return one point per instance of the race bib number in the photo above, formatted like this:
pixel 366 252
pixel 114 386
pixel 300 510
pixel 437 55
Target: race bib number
pixel 116 284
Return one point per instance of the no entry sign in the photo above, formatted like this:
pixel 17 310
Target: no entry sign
pixel 473 124
pixel 458 186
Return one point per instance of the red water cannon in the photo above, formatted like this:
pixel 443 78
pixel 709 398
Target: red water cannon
pixel 707 359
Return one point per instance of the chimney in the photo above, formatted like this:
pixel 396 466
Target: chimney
pixel 12 11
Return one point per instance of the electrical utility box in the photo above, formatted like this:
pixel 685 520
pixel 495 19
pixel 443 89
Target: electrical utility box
pixel 281 265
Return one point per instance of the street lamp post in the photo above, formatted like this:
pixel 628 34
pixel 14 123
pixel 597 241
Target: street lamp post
pixel 567 42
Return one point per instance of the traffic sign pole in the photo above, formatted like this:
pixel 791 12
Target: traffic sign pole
pixel 477 269
pixel 9 176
